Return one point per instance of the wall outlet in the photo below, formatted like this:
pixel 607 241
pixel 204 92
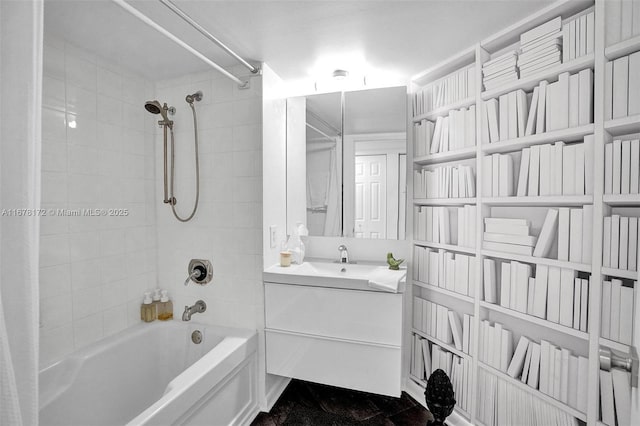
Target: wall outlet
pixel 273 236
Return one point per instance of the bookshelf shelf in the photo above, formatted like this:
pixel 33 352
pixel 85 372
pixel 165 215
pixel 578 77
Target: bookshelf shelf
pixel 539 260
pixel 566 135
pixel 449 156
pixel 464 103
pixel 441 290
pixel 449 247
pixel 622 48
pixel 622 199
pixel 612 344
pixel 545 201
pixel 623 126
pixel 443 201
pixel 546 398
pixel 550 74
pixel 620 273
pixel 535 320
pixel 440 343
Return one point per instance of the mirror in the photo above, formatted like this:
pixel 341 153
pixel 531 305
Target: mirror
pixel 346 163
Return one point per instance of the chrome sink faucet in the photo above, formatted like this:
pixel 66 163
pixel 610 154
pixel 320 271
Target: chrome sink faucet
pixel 344 254
pixel 199 306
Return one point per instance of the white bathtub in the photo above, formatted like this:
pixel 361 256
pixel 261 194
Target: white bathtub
pixel 153 374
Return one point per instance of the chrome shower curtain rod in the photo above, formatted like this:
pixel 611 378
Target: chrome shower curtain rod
pixel 144 18
pixel 175 9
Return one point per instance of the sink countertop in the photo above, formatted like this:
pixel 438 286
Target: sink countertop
pixel 325 273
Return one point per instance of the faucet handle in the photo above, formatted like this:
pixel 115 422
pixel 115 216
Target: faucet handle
pixel 342 247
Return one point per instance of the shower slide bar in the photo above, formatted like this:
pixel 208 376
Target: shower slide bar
pixel 151 23
pixel 175 9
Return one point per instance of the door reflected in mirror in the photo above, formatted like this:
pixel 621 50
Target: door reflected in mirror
pixel 346 163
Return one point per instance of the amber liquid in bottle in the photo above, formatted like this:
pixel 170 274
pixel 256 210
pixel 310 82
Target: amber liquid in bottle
pixel 165 310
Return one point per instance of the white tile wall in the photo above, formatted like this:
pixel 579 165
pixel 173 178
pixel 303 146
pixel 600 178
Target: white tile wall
pixel 93 270
pixel 227 226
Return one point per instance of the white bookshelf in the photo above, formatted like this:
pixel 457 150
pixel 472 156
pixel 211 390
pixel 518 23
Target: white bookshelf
pixel 604 131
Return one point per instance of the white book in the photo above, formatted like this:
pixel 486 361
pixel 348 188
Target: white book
pixel 513 115
pixel 626 29
pixel 547 234
pixel 567 277
pixel 492 114
pixel 633 244
pixel 620 87
pixel 564 220
pixel 566 36
pixel 522 287
pixel 608 90
pixel 505 221
pixel 564 376
pixel 540 293
pixel 636 19
pixel 585 108
pixel 613 16
pixel 524 173
pixel 579 179
pixel 625 168
pixel 507 229
pixel 534 171
pixel 553 295
pixel 505 285
pixel 591 32
pixel 556 173
pixel 606 242
pixel 534 368
pixel 573 381
pixel 533 113
pixel 495 334
pixel 626 315
pixel 515 289
pixel 623 254
pixel 615 241
pixel 575 236
pixel 574 100
pixel 608 168
pixel 606 398
pixel 508 248
pixel 522 240
pixel 484 125
pixel 583 383
pixel 569 169
pixel 466 329
pixel 541 110
pixel 634 175
pixel 616 293
pixel 577 302
pixel 472 277
pixel 505 188
pixel 490 280
pixel 557 372
pixel 605 316
pixel 426 356
pixel 462 274
pixel 582 40
pixel 531 295
pixel 487 176
pixel 456 329
pixel 450 283
pixel 495 174
pixel 522 112
pixel 552 107
pixel 486 333
pixel 544 367
pixel 506 349
pixel 634 79
pixel 527 364
pixel 587 233
pixel 517 362
pixel 545 170
pixel 504 117
pixel 622 395
pixel 562 102
pixel 549 27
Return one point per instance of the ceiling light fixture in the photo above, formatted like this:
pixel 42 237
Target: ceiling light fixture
pixel 340 74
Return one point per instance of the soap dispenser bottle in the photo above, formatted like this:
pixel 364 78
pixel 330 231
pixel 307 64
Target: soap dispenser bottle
pixel 147 309
pixel 165 307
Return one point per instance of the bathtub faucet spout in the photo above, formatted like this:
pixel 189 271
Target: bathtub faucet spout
pixel 199 306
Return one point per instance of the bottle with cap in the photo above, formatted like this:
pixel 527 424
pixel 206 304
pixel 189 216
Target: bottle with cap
pixel 147 309
pixel 165 307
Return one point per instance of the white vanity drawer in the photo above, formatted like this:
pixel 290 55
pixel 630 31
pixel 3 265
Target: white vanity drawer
pixel 360 366
pixel 364 316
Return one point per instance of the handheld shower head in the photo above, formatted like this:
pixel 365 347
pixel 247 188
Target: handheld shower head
pixel 154 107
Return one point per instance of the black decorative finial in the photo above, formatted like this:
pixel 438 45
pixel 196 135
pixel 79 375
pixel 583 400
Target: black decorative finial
pixel 439 397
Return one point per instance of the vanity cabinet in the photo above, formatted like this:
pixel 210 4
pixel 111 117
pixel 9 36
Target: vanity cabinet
pixel 335 336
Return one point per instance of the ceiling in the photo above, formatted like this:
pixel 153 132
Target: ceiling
pixel 297 39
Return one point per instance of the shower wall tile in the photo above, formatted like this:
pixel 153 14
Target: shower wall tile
pixel 98 153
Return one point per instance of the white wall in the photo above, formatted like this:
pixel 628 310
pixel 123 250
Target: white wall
pixel 93 270
pixel 227 227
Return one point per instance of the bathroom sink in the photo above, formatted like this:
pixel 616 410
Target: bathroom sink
pixel 325 273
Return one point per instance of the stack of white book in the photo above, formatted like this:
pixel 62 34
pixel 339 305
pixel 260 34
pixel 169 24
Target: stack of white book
pixel 496 346
pixel 555 294
pixel 508 235
pixel 455 87
pixel 564 104
pixel 443 324
pixel 467 226
pixel 422 132
pixel 498 176
pixel 453 132
pixel 445 182
pixel 578 36
pixel 557 169
pixel 620 242
pixel 622 87
pixel 441 268
pixel 504 403
pixel 617 310
pixel 622 20
pixel 433 225
pixel 500 70
pixel 622 167
pixel 541 48
pixel 575 234
pixel 615 397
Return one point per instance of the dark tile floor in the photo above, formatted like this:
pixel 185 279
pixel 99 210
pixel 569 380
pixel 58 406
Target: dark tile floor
pixel 311 404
